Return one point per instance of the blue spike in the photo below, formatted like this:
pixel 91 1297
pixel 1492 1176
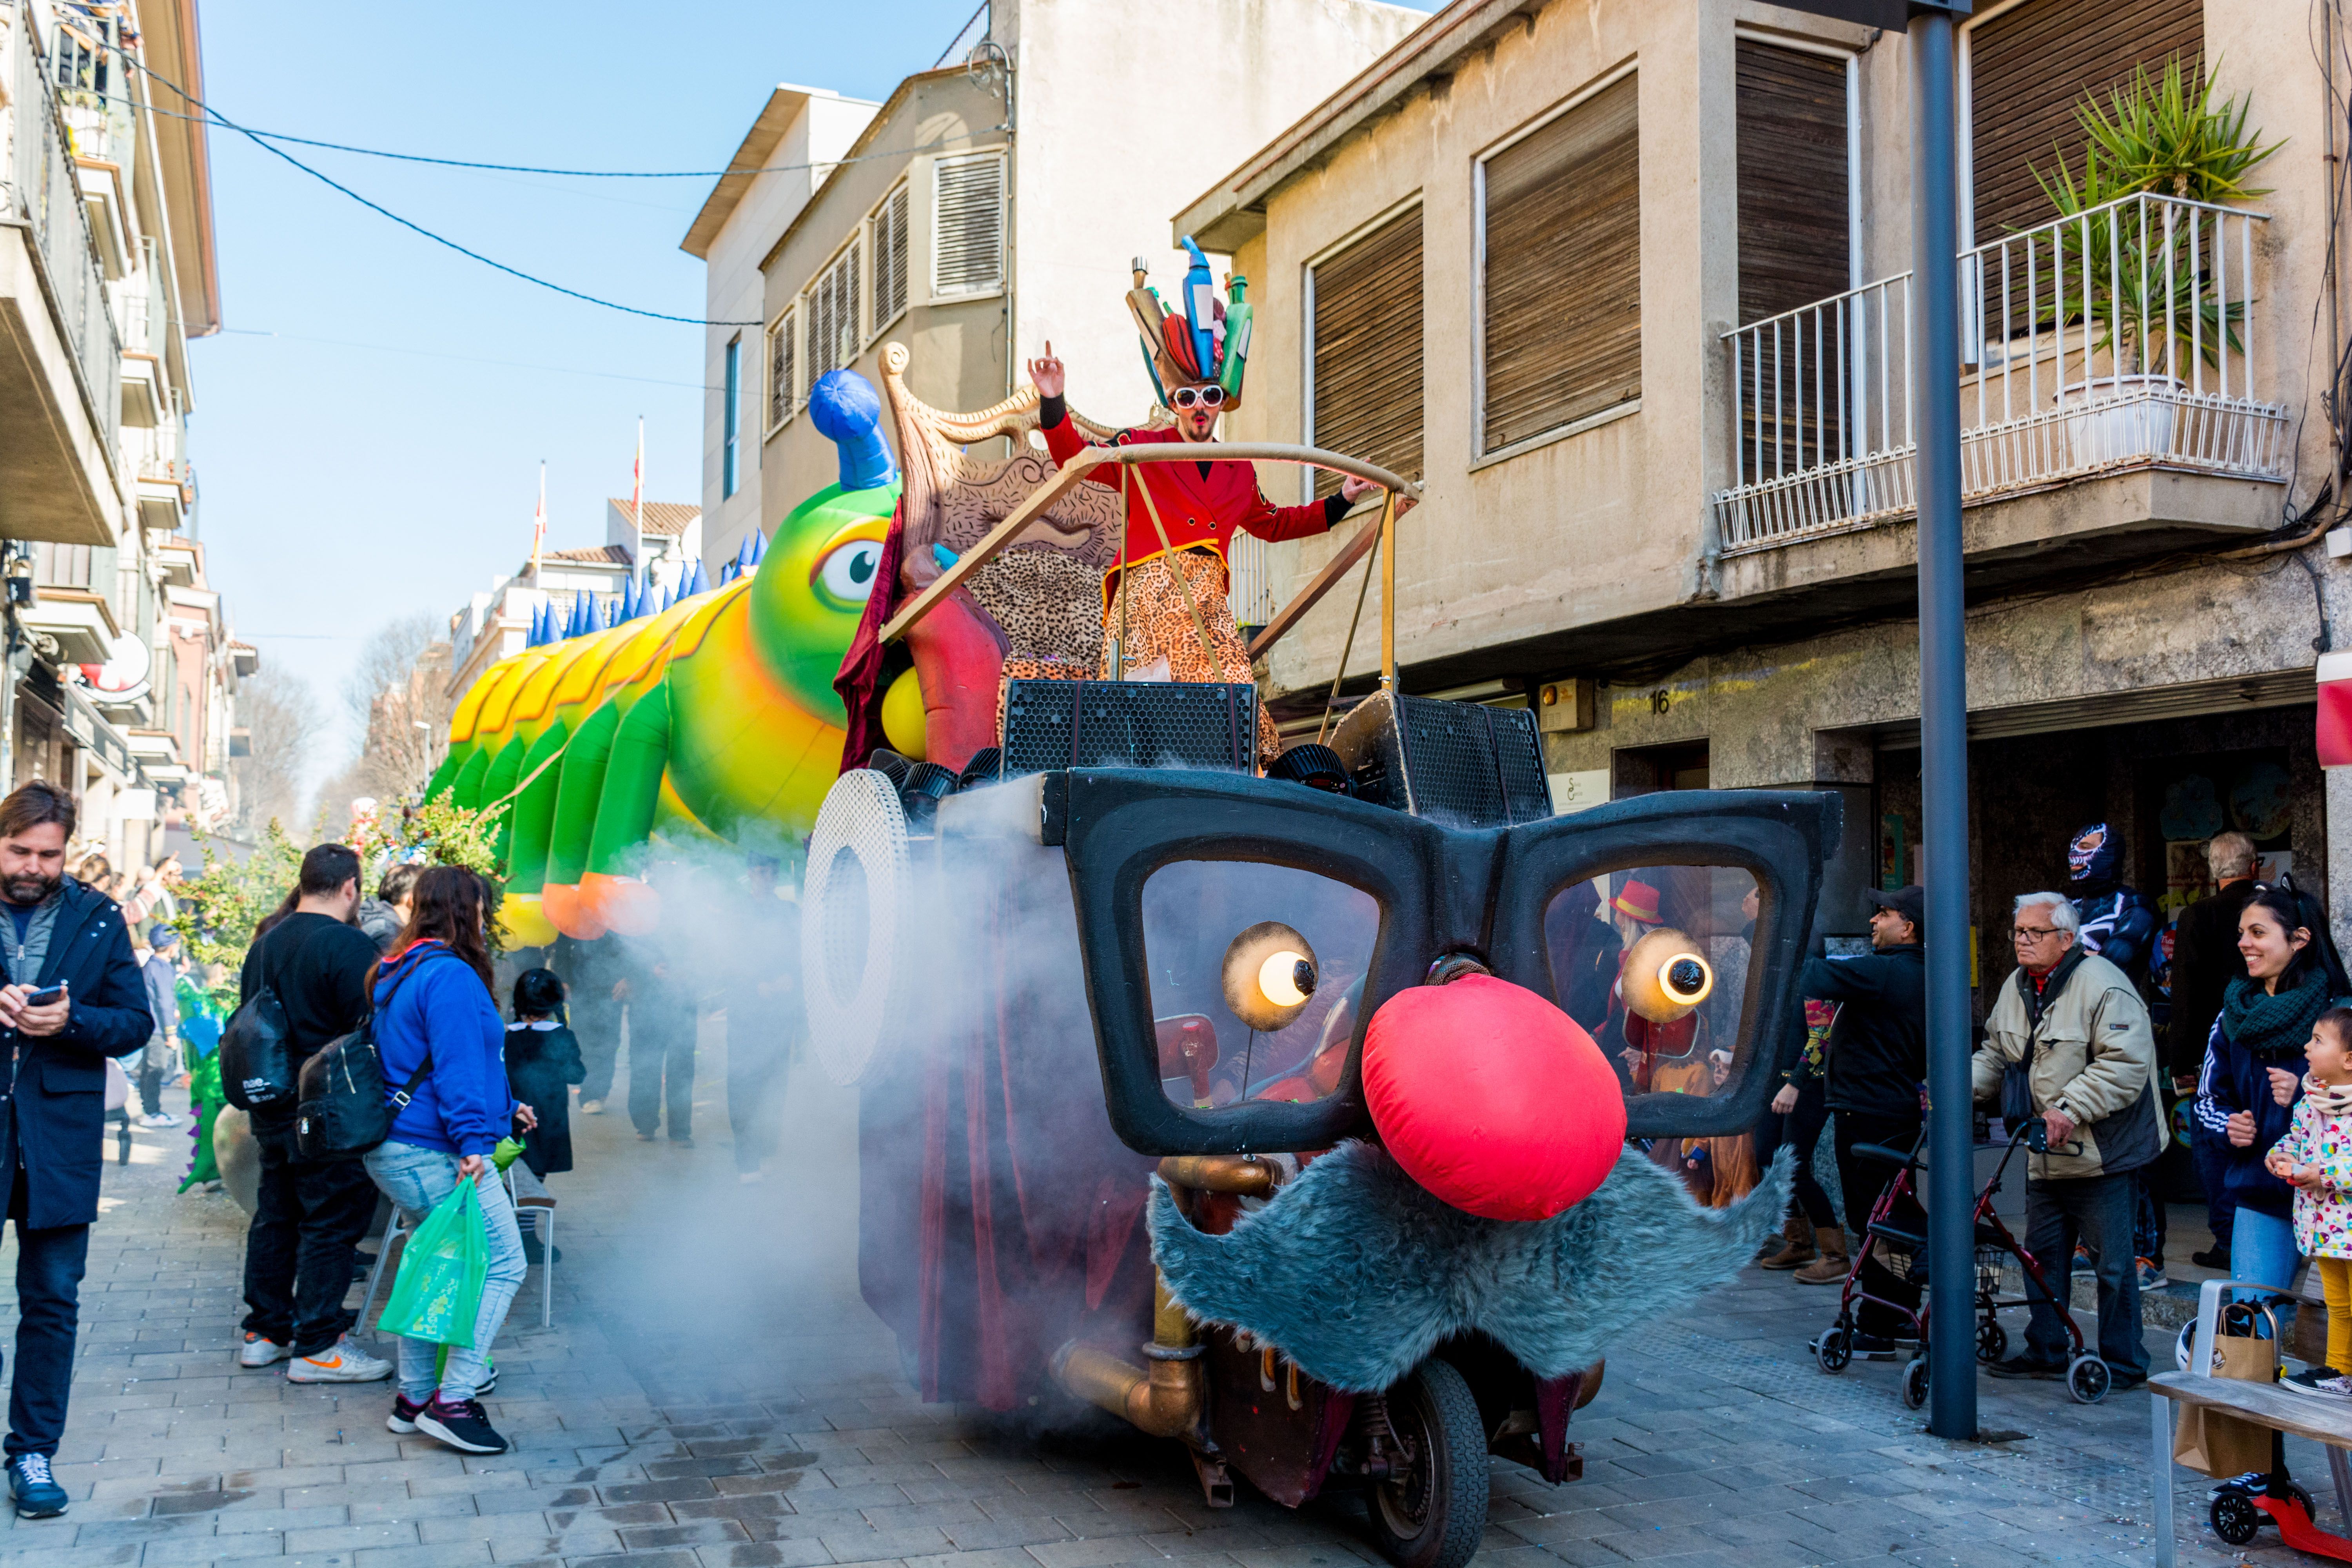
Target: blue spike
pixel 727 569
pixel 758 546
pixel 583 613
pixel 699 583
pixel 538 625
pixel 606 617
pixel 743 551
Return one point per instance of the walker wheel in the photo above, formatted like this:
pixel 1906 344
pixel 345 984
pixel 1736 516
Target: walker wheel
pixel 1915 1383
pixel 2234 1516
pixel 1992 1341
pixel 1833 1349
pixel 2087 1378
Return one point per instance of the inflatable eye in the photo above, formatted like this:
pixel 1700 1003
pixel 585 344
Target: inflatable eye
pixel 1270 976
pixel 848 573
pixel 1665 977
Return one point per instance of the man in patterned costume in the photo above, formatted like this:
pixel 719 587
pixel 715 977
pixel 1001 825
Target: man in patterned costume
pixel 1181 516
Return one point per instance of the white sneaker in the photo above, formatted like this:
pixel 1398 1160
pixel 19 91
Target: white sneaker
pixel 259 1352
pixel 591 1108
pixel 159 1119
pixel 341 1361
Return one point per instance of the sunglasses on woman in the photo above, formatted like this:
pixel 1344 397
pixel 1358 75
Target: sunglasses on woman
pixel 1210 396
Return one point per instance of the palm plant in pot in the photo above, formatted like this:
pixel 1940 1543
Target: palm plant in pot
pixel 2147 282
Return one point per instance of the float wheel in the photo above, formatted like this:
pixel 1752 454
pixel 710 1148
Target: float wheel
pixel 1432 1513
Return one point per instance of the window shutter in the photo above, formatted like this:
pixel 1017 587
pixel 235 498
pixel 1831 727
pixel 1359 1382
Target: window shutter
pixel 2029 68
pixel 1563 275
pixel 890 258
pixel 968 225
pixel 1794 244
pixel 781 386
pixel 1366 369
pixel 834 338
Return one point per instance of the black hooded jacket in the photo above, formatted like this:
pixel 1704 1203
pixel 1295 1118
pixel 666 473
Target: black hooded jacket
pixel 1878 1047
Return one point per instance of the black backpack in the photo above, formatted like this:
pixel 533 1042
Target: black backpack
pixel 344 1110
pixel 256 1050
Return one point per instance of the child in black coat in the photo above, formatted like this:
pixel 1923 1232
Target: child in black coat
pixel 543 1063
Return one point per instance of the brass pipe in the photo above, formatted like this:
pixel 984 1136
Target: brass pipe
pixel 1221 1174
pixel 1166 1401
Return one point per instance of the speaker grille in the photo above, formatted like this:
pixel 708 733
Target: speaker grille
pixel 1128 724
pixel 1458 763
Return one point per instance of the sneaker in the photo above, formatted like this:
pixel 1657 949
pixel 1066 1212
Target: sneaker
pixel 36 1492
pixel 645 1137
pixel 591 1108
pixel 462 1426
pixel 259 1352
pixel 158 1119
pixel 2310 1380
pixel 1872 1347
pixel 2339 1386
pixel 2211 1257
pixel 2151 1273
pixel 341 1361
pixel 405 1412
pixel 2028 1365
pixel 489 1384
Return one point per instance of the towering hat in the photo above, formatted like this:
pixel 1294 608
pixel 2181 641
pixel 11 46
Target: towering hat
pixel 1205 339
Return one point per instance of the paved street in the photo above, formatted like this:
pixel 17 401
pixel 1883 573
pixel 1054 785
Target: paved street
pixel 713 1396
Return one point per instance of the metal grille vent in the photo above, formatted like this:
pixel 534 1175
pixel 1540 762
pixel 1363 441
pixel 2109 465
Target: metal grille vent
pixel 1128 724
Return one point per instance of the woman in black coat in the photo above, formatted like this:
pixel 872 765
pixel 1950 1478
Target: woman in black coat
pixel 543 1063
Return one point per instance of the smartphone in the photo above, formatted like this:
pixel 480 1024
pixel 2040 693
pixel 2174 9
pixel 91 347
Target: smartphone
pixel 47 997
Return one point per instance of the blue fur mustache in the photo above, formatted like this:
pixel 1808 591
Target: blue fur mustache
pixel 1356 1272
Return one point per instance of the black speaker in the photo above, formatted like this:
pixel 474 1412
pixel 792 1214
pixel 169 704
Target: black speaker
pixel 1462 764
pixel 1053 724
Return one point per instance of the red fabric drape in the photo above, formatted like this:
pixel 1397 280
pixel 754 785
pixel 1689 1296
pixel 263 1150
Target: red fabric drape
pixel 860 679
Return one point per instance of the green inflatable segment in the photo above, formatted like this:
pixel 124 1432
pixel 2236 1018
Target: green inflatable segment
pixel 445 776
pixel 534 811
pixel 467 790
pixel 580 786
pixel 633 775
pixel 498 781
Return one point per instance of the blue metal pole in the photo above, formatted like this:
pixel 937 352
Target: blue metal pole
pixel 1943 727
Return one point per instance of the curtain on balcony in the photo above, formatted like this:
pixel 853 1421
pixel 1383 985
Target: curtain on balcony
pixel 1367 365
pixel 1795 248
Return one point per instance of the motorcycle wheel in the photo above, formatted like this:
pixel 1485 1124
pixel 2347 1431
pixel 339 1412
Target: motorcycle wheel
pixel 1433 1514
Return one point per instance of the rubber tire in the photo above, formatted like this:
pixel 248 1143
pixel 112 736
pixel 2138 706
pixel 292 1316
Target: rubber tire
pixel 1915 1383
pixel 1834 1350
pixel 1433 1406
pixel 2234 1518
pixel 2088 1379
pixel 1992 1341
pixel 2310 1508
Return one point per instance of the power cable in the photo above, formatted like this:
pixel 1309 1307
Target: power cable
pixel 466 359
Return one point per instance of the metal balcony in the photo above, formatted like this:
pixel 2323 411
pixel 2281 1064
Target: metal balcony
pixel 2115 339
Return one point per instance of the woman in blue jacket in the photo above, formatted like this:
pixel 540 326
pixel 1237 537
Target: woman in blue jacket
pixel 433 1004
pixel 2254 1067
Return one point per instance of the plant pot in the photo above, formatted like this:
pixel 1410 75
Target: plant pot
pixel 2118 418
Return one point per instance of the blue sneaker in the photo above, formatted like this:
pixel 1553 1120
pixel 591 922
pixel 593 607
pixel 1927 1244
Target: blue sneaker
pixel 37 1492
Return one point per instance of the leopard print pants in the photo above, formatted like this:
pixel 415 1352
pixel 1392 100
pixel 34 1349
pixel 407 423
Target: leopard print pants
pixel 1157 626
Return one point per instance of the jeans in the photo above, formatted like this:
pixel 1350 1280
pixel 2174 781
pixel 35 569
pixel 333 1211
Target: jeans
pixel 2211 1152
pixel 755 1059
pixel 151 1062
pixel 307 1221
pixel 661 1066
pixel 1864 1180
pixel 417 1180
pixel 2148 1215
pixel 2098 1211
pixel 2262 1247
pixel 597 1025
pixel 1800 1130
pixel 49 1263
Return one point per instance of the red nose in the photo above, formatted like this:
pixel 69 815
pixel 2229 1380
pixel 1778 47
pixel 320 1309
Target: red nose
pixel 1492 1098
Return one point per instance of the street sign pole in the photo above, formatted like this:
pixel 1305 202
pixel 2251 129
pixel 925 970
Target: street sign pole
pixel 1943 725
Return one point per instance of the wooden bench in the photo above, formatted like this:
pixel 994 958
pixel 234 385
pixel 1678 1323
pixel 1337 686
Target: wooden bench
pixel 2324 1421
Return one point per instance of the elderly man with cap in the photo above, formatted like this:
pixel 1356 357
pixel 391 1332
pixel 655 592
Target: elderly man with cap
pixel 2073 1026
pixel 1877 1055
pixel 160 1061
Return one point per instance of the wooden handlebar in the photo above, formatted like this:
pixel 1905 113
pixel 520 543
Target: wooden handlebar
pixel 1075 471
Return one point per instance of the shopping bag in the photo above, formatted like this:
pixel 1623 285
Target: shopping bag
pixel 438 1291
pixel 2220 1445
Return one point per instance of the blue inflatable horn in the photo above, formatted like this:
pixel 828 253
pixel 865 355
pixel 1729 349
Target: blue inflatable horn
pixel 848 413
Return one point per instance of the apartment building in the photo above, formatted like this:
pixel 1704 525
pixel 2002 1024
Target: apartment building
pixel 994 202
pixel 107 269
pixel 1624 284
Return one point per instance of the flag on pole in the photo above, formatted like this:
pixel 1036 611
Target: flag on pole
pixel 538 522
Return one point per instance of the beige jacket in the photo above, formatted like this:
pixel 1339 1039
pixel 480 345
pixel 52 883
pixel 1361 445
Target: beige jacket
pixel 2094 1056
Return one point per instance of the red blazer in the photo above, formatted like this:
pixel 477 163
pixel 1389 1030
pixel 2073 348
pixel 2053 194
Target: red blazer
pixel 1199 511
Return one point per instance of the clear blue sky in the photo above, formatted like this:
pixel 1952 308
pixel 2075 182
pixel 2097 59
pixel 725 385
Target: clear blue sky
pixel 344 486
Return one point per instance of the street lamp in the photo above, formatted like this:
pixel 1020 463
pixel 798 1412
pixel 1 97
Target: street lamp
pixel 1943 689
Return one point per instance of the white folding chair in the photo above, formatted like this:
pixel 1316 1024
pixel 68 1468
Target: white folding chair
pixel 396 1231
pixel 540 1209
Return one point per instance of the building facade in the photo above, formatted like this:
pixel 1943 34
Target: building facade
pixel 123 675
pixel 1624 286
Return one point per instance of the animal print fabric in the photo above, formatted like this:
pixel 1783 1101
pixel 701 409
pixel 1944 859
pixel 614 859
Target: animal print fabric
pixel 1049 604
pixel 1157 626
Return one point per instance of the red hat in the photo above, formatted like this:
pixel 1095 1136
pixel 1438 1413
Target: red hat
pixel 1640 900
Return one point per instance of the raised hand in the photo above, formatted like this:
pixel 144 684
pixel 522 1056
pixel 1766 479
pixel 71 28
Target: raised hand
pixel 1046 372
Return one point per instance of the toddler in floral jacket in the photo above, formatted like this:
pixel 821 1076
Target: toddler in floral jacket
pixel 2315 1156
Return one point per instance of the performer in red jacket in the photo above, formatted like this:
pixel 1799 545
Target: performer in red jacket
pixel 1181 516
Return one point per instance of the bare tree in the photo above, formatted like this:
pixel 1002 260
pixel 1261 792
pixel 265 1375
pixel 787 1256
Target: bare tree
pixel 397 702
pixel 280 714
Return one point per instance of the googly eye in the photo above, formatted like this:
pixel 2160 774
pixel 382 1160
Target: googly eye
pixel 1270 974
pixel 848 573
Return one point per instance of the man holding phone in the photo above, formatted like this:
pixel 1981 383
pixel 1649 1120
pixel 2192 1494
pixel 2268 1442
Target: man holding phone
pixel 72 997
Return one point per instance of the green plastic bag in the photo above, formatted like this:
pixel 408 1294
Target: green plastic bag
pixel 505 1154
pixel 438 1291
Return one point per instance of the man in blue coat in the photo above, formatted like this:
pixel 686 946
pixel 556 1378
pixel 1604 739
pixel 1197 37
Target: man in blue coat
pixel 72 997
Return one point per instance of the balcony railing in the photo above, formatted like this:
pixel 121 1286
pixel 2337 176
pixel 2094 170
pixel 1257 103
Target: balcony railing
pixel 43 195
pixel 2115 338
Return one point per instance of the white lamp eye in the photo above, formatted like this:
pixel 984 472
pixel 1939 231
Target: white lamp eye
pixel 1287 979
pixel 1269 976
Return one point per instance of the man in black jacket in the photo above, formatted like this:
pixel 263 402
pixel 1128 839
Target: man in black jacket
pixel 1877 1055
pixel 2205 959
pixel 66 943
pixel 307 1219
